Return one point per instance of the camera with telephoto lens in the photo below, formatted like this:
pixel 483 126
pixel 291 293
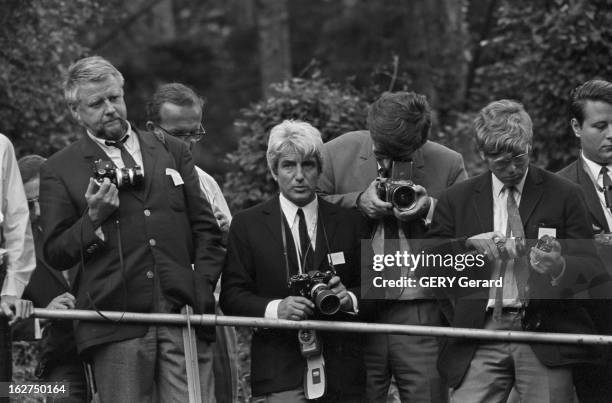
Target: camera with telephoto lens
pixel 399 190
pixel 545 243
pixel 121 177
pixel 313 285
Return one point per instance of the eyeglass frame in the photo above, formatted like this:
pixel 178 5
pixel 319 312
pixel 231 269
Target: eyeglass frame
pixel 200 134
pixel 503 163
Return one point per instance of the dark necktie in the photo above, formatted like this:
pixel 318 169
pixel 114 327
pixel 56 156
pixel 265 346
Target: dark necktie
pixel 126 157
pixel 305 245
pixel 514 228
pixel 607 187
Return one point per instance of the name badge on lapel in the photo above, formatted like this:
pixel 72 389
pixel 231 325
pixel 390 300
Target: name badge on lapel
pixel 176 177
pixel 336 258
pixel 552 232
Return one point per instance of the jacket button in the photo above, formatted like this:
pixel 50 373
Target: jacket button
pixel 152 242
pixel 150 274
pixel 147 212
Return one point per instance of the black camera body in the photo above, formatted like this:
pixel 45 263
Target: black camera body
pixel 514 247
pixel 398 189
pixel 121 177
pixel 313 285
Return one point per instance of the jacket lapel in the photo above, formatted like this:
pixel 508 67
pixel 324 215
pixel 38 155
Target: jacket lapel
pixel 484 197
pixel 532 193
pixel 272 219
pixel 326 229
pixel 148 145
pixel 590 195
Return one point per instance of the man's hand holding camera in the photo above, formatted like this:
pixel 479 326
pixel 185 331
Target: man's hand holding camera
pixel 335 285
pixel 486 244
pixel 371 205
pixel 102 200
pixel 295 308
pixel 548 259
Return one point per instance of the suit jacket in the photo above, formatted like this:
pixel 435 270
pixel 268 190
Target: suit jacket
pixel 600 307
pixel 466 209
pixel 57 345
pixel 159 231
pixel 255 274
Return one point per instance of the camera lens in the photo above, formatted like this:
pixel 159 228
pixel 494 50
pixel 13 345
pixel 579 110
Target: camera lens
pixel 403 198
pixel 325 300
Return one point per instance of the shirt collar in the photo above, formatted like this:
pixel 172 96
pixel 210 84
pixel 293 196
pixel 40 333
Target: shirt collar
pixel 594 167
pixel 129 143
pixel 290 209
pixel 498 185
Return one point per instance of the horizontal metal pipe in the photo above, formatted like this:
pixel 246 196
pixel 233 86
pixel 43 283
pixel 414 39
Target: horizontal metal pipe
pixel 334 326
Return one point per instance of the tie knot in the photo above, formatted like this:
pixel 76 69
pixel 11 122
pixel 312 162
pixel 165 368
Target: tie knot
pixel 118 143
pixel 510 189
pixel 300 213
pixel 604 170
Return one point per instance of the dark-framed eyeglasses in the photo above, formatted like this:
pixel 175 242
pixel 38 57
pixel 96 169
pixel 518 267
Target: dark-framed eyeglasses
pixel 504 162
pixel 194 135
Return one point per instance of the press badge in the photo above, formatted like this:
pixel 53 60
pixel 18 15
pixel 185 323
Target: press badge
pixel 176 177
pixel 547 231
pixel 336 258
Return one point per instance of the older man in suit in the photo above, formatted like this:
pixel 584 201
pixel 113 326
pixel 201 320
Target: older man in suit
pixel 492 213
pixel 295 232
pixel 591 121
pixel 135 240
pixel 354 163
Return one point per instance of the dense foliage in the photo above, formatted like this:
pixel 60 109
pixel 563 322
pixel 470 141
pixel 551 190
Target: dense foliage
pixel 333 109
pixel 538 53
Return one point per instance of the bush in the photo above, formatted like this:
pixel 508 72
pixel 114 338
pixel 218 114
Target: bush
pixel 332 108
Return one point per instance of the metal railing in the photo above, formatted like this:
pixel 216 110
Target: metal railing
pixel 334 326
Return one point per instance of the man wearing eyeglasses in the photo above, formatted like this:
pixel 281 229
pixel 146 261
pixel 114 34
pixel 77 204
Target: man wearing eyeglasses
pixel 499 216
pixel 176 110
pixel 591 122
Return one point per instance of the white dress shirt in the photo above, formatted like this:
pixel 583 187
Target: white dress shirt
pixel 132 145
pixel 15 222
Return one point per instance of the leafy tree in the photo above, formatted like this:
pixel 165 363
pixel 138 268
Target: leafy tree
pixel 537 54
pixel 38 41
pixel 332 108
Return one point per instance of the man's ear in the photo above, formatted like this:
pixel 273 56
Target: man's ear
pixel 576 127
pixel 481 154
pixel 74 112
pixel 150 126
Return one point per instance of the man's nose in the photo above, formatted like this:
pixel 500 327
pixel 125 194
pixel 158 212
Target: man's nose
pixel 109 107
pixel 299 173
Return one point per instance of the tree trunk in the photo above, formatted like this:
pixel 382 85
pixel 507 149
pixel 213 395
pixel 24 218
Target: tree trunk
pixel 164 25
pixel 274 46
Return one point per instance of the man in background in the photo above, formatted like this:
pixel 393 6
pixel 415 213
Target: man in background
pixel 176 110
pixel 590 117
pixel 17 258
pixel 58 360
pixel 354 165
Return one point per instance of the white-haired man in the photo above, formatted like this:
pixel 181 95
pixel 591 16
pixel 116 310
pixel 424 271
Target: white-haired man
pixel 295 233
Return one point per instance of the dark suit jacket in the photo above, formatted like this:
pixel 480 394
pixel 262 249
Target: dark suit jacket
pixel 466 209
pixel 57 345
pixel 600 307
pixel 254 274
pixel 158 231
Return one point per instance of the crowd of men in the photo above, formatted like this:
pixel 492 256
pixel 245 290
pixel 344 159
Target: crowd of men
pixel 122 220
